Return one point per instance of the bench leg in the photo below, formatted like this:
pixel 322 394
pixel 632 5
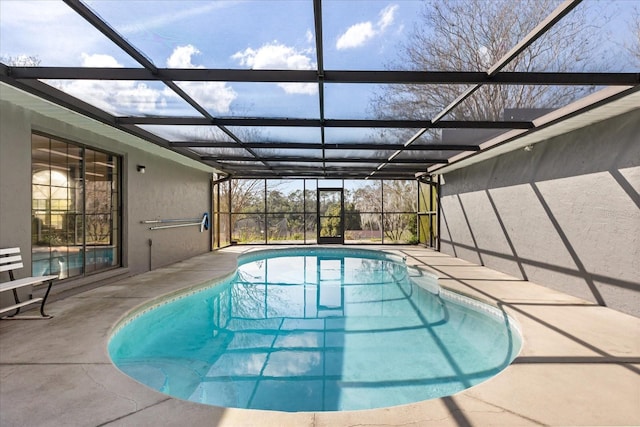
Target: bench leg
pixel 44 300
pixel 43 315
pixel 17 300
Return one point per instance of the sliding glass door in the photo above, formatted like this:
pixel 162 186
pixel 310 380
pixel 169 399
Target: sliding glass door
pixel 75 221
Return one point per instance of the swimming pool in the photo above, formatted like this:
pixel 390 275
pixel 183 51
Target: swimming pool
pixel 315 330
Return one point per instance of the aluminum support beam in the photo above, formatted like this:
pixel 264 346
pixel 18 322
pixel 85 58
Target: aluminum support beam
pixel 329 76
pixel 333 146
pixel 334 123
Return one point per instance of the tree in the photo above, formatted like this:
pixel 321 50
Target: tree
pixel 21 61
pixel 330 225
pixel 332 219
pixel 399 218
pixel 247 195
pixel 368 202
pixel 633 46
pixel 284 215
pixel 352 220
pixel 285 211
pixel 472 36
pixel 98 209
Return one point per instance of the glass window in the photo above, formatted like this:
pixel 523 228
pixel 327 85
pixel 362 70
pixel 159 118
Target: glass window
pixel 75 203
pixel 310 207
pixel 247 211
pixel 286 211
pixel 399 220
pixel 285 228
pixel 248 228
pixel 285 196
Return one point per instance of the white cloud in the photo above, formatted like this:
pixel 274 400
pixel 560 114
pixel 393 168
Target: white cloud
pixel 277 56
pixel 299 88
pixel 358 34
pixel 99 60
pixel 215 96
pixel 48 30
pixel 138 96
pixel 181 57
pixel 132 97
pixel 115 97
pixel 288 363
pixel 274 56
pixel 387 16
pixel 309 36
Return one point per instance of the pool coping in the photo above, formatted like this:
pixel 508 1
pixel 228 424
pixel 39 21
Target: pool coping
pixel 572 351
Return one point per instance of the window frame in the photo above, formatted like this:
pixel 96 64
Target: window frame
pixel 64 248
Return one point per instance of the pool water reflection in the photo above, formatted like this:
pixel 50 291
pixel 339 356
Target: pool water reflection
pixel 321 330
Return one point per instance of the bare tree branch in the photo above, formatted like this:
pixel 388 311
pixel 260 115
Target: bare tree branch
pixel 472 36
pixel 633 46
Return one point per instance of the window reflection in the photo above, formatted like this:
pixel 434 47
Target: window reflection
pixel 74 209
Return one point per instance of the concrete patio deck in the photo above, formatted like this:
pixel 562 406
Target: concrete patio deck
pixel 579 366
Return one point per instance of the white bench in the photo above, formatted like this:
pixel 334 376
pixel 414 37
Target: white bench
pixel 10 260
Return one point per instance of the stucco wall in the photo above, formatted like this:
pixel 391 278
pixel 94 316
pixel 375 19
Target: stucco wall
pixel 565 215
pixel 168 190
pixel 165 191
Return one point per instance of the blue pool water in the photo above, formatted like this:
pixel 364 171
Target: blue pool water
pixel 316 330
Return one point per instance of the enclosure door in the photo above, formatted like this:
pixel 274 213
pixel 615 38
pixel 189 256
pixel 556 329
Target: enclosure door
pixel 429 212
pixel 330 215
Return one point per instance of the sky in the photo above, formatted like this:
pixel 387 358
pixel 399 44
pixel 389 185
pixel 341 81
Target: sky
pixel 259 34
pixel 202 34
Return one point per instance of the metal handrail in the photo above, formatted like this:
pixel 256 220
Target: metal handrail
pixel 159 227
pixel 173 223
pixel 162 221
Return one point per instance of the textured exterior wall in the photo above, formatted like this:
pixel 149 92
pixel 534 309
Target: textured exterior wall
pixel 167 190
pixel 565 215
pixel 15 179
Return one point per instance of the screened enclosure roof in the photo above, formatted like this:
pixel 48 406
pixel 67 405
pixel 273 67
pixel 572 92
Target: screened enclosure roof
pixel 328 89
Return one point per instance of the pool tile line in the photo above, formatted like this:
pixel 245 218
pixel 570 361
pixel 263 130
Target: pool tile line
pixel 176 295
pixel 482 306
